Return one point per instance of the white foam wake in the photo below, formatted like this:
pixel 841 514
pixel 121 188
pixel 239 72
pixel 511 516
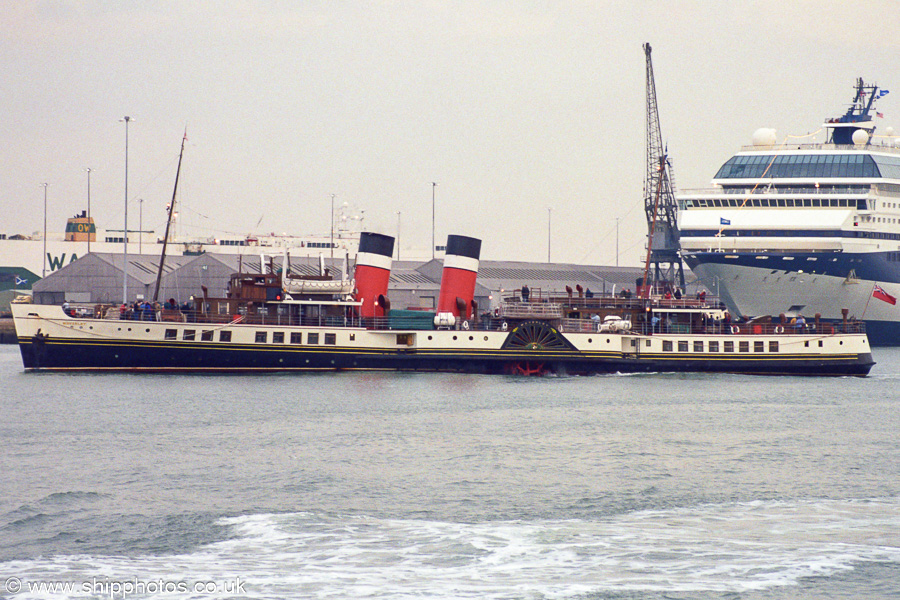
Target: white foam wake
pixel 716 548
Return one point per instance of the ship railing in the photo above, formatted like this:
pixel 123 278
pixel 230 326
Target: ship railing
pixel 851 190
pixel 493 323
pixel 884 146
pixel 749 329
pixel 529 310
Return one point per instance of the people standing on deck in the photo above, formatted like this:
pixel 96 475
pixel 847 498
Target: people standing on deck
pixel 526 293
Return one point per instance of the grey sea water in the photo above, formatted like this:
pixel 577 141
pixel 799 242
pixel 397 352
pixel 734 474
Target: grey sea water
pixel 385 485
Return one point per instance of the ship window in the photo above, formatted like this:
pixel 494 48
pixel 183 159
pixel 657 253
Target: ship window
pixel 713 346
pixel 171 334
pixel 312 338
pixel 262 337
pixel 206 335
pixel 820 343
pixel 278 337
pixel 188 335
pixel 353 337
pixel 698 346
pixel 296 337
pixel 224 336
pixel 682 346
pixel 728 346
pixel 743 346
pixel 773 346
pixel 667 345
pixel 331 339
pixel 759 346
pixel 223 308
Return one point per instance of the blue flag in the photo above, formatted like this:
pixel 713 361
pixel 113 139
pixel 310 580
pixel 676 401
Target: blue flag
pixel 724 221
pixel 883 93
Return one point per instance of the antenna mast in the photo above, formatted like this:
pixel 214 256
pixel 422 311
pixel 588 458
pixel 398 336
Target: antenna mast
pixel 659 199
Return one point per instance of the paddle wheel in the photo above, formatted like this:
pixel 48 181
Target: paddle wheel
pixel 527 368
pixel 538 337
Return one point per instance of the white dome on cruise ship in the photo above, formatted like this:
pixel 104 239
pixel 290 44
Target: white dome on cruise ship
pixel 860 137
pixel 764 136
pixel 889 132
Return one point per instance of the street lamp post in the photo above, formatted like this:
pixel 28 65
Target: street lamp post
pixel 548 233
pixel 398 235
pixel 332 226
pixel 433 185
pixel 44 268
pixel 127 120
pixel 140 226
pixel 617 241
pixel 89 210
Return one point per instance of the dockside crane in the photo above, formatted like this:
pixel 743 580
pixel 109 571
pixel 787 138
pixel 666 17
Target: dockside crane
pixel 664 267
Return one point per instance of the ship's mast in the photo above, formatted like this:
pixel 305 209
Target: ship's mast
pixel 659 199
pixel 171 211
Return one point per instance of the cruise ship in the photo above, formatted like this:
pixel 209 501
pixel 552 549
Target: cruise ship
pixel 805 229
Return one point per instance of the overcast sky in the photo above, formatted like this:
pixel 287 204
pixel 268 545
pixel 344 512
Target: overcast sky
pixel 512 107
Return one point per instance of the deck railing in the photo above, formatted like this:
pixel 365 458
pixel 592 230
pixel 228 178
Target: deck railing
pixel 501 323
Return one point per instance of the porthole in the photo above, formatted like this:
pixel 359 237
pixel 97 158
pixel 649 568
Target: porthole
pixel 485 338
pixel 590 341
pixel 471 338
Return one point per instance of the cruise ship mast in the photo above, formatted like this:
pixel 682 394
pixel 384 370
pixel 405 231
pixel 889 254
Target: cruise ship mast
pixel 659 200
pixel 858 115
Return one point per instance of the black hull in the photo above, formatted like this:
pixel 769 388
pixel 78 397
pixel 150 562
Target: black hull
pixel 71 355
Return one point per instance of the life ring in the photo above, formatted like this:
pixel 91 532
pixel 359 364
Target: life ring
pixel 465 325
pixel 735 329
pixel 503 326
pixel 779 329
pixel 599 327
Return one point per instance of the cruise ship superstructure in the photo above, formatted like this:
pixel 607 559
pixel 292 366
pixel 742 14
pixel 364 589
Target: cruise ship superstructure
pixel 805 228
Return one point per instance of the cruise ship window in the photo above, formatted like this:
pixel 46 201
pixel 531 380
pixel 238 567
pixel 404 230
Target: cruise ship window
pixel 224 336
pixel 759 346
pixel 262 337
pixel 278 337
pixel 296 337
pixel 744 346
